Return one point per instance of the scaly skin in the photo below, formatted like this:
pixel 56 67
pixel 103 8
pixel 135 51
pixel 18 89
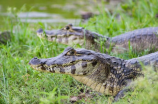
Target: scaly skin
pixel 140 39
pixel 101 72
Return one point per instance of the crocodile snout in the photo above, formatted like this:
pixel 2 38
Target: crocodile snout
pixel 35 61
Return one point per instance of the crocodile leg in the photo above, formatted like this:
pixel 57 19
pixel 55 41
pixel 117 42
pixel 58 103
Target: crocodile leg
pixel 121 93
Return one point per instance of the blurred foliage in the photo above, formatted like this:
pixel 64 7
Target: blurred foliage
pixel 19 83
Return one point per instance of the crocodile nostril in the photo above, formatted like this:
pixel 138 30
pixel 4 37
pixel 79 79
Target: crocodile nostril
pixel 40 30
pixel 35 57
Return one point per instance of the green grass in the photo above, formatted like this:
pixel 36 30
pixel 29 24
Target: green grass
pixel 19 83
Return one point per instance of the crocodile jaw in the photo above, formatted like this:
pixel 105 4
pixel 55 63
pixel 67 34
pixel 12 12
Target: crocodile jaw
pixel 77 68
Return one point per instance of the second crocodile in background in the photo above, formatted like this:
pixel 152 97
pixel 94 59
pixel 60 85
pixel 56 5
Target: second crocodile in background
pixel 140 40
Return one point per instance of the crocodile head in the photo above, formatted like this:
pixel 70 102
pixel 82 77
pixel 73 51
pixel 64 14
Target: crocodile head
pixel 71 61
pixel 73 36
pixel 68 35
pixel 86 66
pixel 103 73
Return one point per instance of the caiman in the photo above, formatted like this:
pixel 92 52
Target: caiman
pixel 138 40
pixel 103 73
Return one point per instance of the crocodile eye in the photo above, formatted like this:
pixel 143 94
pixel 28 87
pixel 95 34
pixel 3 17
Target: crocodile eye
pixel 72 52
pixel 67 27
